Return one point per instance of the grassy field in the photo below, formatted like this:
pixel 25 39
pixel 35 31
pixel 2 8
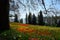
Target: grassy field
pixel 36 31
pixel 33 32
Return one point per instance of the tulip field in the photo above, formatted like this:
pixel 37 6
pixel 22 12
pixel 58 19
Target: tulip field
pixel 36 32
pixel 20 31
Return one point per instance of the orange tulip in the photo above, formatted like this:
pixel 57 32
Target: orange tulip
pixel 20 29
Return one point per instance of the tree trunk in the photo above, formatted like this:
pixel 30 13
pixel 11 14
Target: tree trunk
pixel 4 15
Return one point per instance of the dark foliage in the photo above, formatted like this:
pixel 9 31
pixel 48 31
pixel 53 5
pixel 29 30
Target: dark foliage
pixel 34 19
pixel 58 24
pixel 21 20
pixel 26 19
pixel 29 18
pixel 40 19
pixel 16 18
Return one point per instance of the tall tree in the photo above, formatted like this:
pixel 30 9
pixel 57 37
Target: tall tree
pixel 30 18
pixel 58 24
pixel 21 20
pixel 16 18
pixel 34 19
pixel 14 6
pixel 26 19
pixel 4 15
pixel 40 18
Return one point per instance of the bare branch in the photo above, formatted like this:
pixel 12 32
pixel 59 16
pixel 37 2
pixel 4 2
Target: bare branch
pixel 21 3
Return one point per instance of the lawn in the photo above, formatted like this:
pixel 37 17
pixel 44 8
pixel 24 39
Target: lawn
pixel 34 32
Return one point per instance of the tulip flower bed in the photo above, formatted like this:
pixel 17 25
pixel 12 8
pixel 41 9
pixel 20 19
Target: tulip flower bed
pixel 33 32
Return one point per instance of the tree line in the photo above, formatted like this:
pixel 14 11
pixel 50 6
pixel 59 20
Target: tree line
pixel 15 7
pixel 32 19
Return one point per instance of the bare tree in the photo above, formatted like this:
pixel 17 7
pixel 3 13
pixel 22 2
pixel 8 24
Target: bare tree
pixel 33 5
pixel 51 9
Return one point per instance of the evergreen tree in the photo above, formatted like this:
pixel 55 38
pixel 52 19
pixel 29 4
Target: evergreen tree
pixel 40 19
pixel 16 18
pixel 58 24
pixel 26 19
pixel 21 20
pixel 30 18
pixel 34 19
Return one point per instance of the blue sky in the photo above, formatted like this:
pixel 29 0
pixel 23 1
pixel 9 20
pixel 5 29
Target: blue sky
pixel 23 10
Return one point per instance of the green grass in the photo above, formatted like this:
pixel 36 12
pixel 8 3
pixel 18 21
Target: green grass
pixel 13 34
